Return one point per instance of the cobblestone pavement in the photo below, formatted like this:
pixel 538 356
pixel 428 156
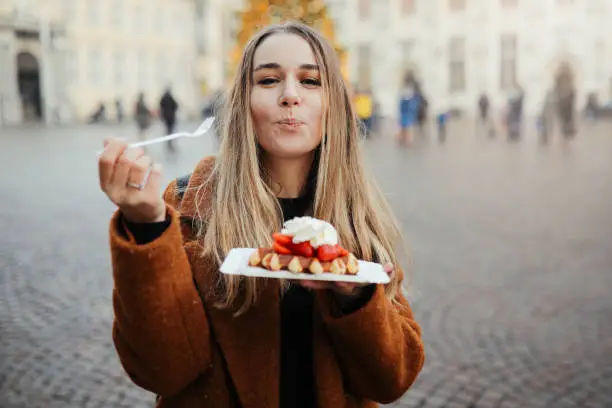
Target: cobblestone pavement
pixel 512 267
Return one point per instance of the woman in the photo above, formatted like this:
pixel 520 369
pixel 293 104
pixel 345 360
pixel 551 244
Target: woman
pixel 198 338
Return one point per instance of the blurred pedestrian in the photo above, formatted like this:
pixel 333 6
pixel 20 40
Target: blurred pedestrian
pixel 484 107
pixel 365 108
pixel 99 115
pixel 408 109
pixel 566 95
pixel 215 108
pixel 143 116
pixel 119 110
pixel 167 109
pixel 547 116
pixel 565 110
pixel 197 337
pixel 591 109
pixel 442 122
pixel 215 102
pixel 422 109
pixel 515 112
pixel 376 117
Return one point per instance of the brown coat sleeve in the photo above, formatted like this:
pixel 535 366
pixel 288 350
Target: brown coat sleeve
pixel 379 346
pixel 160 328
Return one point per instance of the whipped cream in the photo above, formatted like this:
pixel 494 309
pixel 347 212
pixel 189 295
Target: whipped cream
pixel 308 229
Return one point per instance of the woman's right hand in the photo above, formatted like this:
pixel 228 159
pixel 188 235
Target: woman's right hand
pixel 131 181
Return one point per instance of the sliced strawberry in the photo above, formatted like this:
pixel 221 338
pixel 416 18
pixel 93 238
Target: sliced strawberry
pixel 280 249
pixel 303 249
pixel 343 252
pixel 282 238
pixel 328 253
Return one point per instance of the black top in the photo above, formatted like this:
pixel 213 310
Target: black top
pixel 297 387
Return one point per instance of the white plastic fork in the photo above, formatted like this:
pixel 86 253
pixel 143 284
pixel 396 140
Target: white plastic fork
pixel 200 131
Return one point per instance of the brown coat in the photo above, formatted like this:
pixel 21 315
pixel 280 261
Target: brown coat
pixel 173 342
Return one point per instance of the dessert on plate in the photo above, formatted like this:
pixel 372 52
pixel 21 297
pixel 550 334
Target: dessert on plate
pixel 306 245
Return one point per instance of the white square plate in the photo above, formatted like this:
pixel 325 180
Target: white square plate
pixel 237 263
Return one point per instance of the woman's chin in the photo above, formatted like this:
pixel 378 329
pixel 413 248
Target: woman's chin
pixel 289 149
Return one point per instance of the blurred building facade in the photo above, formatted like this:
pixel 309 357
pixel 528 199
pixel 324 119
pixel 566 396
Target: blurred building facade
pixel 60 59
pixel 461 48
pixel 216 29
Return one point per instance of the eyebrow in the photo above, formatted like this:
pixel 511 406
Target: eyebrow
pixel 274 65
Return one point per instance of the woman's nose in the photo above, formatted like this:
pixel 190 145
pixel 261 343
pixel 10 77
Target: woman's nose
pixel 290 96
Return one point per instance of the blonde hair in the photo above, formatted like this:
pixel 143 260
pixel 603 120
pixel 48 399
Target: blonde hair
pixel 244 211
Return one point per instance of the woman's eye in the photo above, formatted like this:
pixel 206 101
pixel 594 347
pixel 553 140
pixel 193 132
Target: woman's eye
pixel 311 82
pixel 267 81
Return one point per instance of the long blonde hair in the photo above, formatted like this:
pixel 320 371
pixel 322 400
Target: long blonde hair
pixel 244 211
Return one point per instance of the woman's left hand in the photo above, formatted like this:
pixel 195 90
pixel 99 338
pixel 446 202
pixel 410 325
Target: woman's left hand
pixel 343 289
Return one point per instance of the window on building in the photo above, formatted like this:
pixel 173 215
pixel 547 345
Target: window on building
pixel 187 24
pixel 456 5
pixel 94 8
pixel 94 65
pixel 5 83
pixel 69 8
pixel 116 13
pixel 119 68
pixel 138 19
pixel 201 9
pixel 408 7
pixel 456 64
pixel 142 70
pixel 509 4
pixel 595 8
pixel 365 9
pixel 161 69
pixel 150 78
pixel 159 20
pixel 406 53
pixel 146 19
pixel 364 67
pixel 508 61
pixel 71 67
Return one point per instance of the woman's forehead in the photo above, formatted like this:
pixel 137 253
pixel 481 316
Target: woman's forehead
pixel 290 51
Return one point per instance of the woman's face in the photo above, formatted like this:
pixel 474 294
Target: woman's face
pixel 286 98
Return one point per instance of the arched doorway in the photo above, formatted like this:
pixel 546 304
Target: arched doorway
pixel 28 77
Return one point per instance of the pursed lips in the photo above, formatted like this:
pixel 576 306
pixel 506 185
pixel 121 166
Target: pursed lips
pixel 290 122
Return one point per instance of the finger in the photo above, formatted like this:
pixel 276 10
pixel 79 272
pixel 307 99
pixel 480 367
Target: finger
pixel 107 160
pixel 124 165
pixel 139 172
pixel 153 184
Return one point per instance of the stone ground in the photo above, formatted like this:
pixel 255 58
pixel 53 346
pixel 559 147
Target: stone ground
pixel 512 248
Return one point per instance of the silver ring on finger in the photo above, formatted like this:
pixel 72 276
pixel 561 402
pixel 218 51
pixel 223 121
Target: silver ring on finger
pixel 136 186
pixel 142 185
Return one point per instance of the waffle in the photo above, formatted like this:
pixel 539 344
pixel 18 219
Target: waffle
pixel 268 259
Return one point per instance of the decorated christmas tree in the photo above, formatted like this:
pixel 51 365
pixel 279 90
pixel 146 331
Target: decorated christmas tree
pixel 261 13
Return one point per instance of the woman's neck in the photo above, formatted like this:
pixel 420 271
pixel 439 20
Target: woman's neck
pixel 290 174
